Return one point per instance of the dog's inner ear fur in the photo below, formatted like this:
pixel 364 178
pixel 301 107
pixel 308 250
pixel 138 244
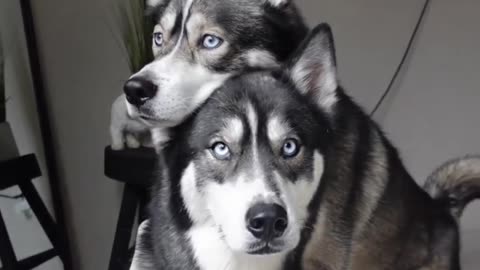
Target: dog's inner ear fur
pixel 313 68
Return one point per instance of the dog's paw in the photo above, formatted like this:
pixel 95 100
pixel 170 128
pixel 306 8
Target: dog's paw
pixel 117 146
pixel 132 141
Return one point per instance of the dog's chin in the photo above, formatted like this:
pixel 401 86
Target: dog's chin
pixel 255 247
pixel 152 121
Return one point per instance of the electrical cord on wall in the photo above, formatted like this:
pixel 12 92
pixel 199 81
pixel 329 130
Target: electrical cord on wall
pixel 404 58
pixel 16 197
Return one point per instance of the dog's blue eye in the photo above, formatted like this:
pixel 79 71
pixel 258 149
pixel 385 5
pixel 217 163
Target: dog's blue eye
pixel 158 39
pixel 220 151
pixel 290 148
pixel 211 42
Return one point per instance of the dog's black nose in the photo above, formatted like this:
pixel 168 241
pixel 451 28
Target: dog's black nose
pixel 267 221
pixel 139 90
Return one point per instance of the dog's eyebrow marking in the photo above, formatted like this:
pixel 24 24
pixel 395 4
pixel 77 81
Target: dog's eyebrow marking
pixel 195 24
pixel 277 3
pixel 277 129
pixel 168 20
pixel 233 130
pixel 153 3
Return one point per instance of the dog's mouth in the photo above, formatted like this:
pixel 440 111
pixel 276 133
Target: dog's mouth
pixel 266 248
pixel 155 122
pixel 147 118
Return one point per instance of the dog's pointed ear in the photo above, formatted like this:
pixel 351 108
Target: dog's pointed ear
pixel 278 3
pixel 313 67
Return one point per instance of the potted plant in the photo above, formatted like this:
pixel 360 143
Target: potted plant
pixel 8 148
pixel 136 31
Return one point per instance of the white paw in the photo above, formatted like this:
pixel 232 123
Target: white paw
pixel 132 141
pixel 117 146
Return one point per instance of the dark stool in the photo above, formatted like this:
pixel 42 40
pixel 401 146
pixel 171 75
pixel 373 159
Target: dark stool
pixel 20 172
pixel 135 168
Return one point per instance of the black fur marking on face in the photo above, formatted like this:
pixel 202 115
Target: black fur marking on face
pixel 177 27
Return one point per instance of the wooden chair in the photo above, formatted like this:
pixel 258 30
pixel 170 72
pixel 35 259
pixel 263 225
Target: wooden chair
pixel 135 168
pixel 20 172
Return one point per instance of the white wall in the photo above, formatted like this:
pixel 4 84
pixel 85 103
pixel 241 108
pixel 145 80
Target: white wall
pixel 434 112
pixel 26 235
pixel 431 117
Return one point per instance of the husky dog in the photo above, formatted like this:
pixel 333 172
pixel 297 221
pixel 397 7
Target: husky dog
pixel 198 44
pixel 282 170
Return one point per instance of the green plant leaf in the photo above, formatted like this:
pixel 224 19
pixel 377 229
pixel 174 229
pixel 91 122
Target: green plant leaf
pixel 135 33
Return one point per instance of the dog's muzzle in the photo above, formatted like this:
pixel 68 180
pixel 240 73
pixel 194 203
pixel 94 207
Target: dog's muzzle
pixel 139 90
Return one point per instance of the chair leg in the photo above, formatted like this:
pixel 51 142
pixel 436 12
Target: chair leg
pixel 144 200
pixel 7 255
pixel 120 250
pixel 43 216
pixel 37 259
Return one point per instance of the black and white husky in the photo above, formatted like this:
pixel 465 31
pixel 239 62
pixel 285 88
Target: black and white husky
pixel 198 44
pixel 282 170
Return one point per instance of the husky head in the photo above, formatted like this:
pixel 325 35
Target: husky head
pixel 198 44
pixel 250 160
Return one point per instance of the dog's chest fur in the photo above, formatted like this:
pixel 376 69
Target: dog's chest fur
pixel 212 253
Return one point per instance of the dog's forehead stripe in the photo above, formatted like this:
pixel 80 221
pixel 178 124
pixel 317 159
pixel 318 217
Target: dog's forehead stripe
pixel 233 130
pixel 252 119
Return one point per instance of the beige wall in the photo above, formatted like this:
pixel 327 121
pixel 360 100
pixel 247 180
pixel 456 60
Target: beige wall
pixel 84 71
pixel 432 115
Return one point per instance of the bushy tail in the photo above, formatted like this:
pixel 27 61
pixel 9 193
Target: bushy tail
pixel 456 183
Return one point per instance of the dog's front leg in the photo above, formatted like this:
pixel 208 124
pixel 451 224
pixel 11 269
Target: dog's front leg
pixel 116 134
